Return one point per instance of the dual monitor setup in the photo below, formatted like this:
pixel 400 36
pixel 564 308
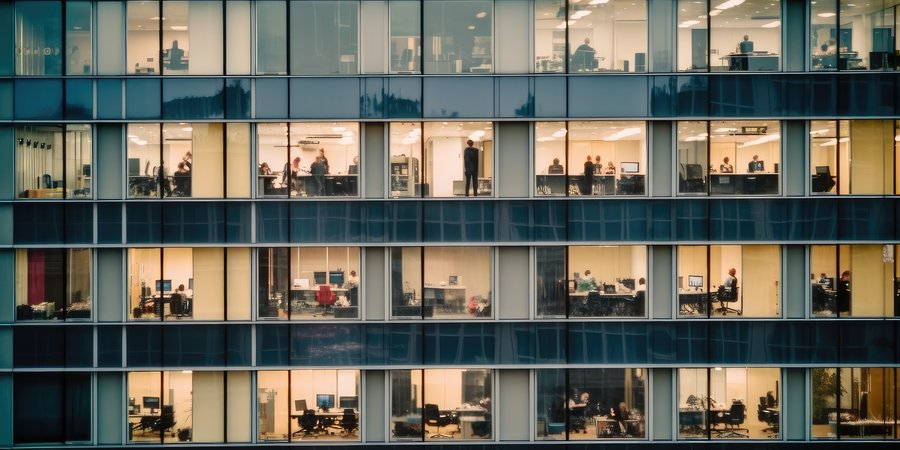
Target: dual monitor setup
pixel 151 403
pixel 325 402
pixel 166 285
pixel 334 278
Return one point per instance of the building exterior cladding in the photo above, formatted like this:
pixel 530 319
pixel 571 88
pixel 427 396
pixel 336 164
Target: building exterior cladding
pixel 468 222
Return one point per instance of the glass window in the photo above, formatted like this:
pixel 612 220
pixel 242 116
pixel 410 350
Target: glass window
pixel 309 283
pixel 53 284
pixel 693 36
pixel 607 35
pixel 324 37
pixel 850 156
pixel 550 36
pixel 874 277
pixel 185 283
pixel 853 403
pixel 39 38
pixel 79 45
pixel 193 25
pixel 459 36
pixel 298 405
pixel 271 38
pixel 50 408
pixel 441 282
pixel 406 36
pixel 865 39
pixel 308 159
pixel 729 157
pixel 52 165
pixel 729 281
pixel 179 406
pixel 730 402
pixel 601 281
pixel 590 158
pixel 143 38
pixel 238 38
pixel 441 403
pixel 745 35
pixel 587 404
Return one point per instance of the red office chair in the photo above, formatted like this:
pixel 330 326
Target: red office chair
pixel 326 298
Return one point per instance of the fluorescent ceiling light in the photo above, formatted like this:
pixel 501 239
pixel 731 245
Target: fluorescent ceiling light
pixel 623 134
pixel 546 139
pixel 481 14
pixel 715 12
pixel 187 129
pixel 761 140
pixel 688 23
pixel 179 27
pixel 730 4
pixel 897 138
pixel 559 133
pixel 828 14
pixel 773 24
pixel 470 27
pixel 823 130
pixel 598 2
pixel 338 129
pixel 832 142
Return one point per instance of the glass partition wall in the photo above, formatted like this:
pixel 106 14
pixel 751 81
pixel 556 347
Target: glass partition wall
pixel 854 281
pixel 54 161
pixel 441 282
pixel 452 404
pixel 853 403
pixel 850 35
pixel 849 157
pixel 729 402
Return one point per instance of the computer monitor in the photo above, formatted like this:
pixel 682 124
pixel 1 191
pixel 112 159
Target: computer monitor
pixel 823 170
pixel 609 289
pixel 300 405
pixel 631 167
pixel 336 278
pixel 827 283
pixel 353 169
pixel 453 280
pixel 325 401
pixel 163 285
pixel 151 403
pixel 695 281
pixel 320 277
pixel 349 402
pixel 86 170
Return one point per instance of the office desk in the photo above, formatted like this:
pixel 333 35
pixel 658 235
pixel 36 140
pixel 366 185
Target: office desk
pixel 693 303
pixel 692 421
pixel 451 298
pixel 467 425
pixel 554 184
pixel 609 427
pixel 755 183
pixel 413 311
pixel 751 61
pixel 156 304
pixel 45 193
pixel 267 185
pixel 595 304
pixel 335 185
pixel 407 427
pixel 861 428
pixel 601 184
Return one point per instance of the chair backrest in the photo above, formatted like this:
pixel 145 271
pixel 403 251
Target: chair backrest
pixel 694 171
pixel 325 296
pixel 431 411
pixel 46 181
pixel 736 413
pixel 727 293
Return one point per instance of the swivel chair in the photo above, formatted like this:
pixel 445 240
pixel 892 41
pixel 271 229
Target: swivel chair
pixel 767 416
pixel 176 305
pixel 166 420
pixel 433 417
pixel 733 419
pixel 348 423
pixel 822 181
pixel 325 298
pixel 308 423
pixel 693 181
pixel 727 295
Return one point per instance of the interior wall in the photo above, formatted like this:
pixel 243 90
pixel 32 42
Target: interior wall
pixel 207 160
pixel 273 387
pixel 238 37
pixel 238 289
pixel 872 282
pixel 205 43
pixel 308 260
pixel 692 261
pixel 615 151
pixel 209 283
pixel 870 171
pixel 443 387
pixel 607 263
pixel 471 264
pixel 762 274
pixel 238 395
pixel 208 405
pixel 769 152
pixel 444 155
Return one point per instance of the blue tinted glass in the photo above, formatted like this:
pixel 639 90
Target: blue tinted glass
pixel 459 97
pixel 608 96
pixel 663 99
pixel 372 100
pixel 866 219
pixel 821 342
pixel 272 220
pixel 237 98
pixel 868 342
pixel 109 99
pixel 39 38
pixel 866 96
pixel 794 94
pixel 403 98
pixel 144 346
pixel 7 39
pixel 746 220
pixel 531 343
pixel 459 343
pixel 550 96
pixel 550 220
pixel 459 221
pixel 271 101
pixel 662 228
pixel 272 345
pixel 143 223
pixel 691 342
pixel 39 99
pixel 109 346
pixel 194 345
pixel 823 94
pixel 516 98
pixel 744 342
pixel 682 96
pixel 608 343
pixel 192 99
pixel 79 99
pixel 238 350
pixel 38 224
pixel 393 222
pixel 394 344
pixel 6 99
pixel 326 345
pixel 142 98
pixel 815 218
pixel 749 96
pixel 326 222
pixel 333 98
pixel 691 220
pixel 548 348
pixel 79 223
pixel 516 225
pixel 79 345
pixel 194 222
pixel 109 223
pixel 39 346
pixel 237 222
pixel 615 220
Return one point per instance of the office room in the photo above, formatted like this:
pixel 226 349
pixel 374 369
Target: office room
pixel 716 391
pixel 741 141
pixel 178 406
pixel 863 408
pixel 617 32
pixel 757 269
pixel 444 143
pixel 464 393
pixel 453 282
pixel 610 265
pixel 871 275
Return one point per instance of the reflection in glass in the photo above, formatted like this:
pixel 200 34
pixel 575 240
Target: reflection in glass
pixel 324 37
pixel 853 281
pixel 441 403
pixel 853 403
pixel 406 36
pixel 53 165
pixel 197 25
pixel 866 38
pixel 79 51
pixel 53 284
pixel 849 156
pixel 458 36
pixel 38 38
pixel 728 403
pixel 441 282
pixel 693 36
pixel 607 35
pixel 746 35
pixel 550 36
pixel 271 38
pixel 143 38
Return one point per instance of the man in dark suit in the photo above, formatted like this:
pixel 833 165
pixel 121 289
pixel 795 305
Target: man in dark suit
pixel 756 165
pixel 470 167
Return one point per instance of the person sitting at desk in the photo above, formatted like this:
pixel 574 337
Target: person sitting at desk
pixel 264 169
pixel 586 282
pixel 745 46
pixel 187 159
pixel 182 181
pixel 726 166
pixel 165 187
pixel 291 172
pixel 578 412
pixel 621 414
pixel 731 280
pixel 176 56
pixel 583 59
pixel 556 168
pixel 755 165
pixel 823 279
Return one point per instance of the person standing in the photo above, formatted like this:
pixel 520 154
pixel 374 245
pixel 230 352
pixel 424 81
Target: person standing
pixel 587 181
pixel 470 167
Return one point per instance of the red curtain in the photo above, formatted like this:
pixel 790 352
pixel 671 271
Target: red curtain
pixel 36 274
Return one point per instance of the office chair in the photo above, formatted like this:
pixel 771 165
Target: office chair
pixel 325 298
pixel 308 424
pixel 822 181
pixel 349 422
pixel 732 419
pixel 693 181
pixel 182 185
pixel 763 414
pixel 176 305
pixel 433 417
pixel 166 420
pixel 727 295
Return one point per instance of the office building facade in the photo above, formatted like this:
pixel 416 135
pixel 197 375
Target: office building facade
pixel 658 223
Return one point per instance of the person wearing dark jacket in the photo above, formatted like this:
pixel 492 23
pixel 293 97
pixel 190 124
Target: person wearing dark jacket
pixel 470 167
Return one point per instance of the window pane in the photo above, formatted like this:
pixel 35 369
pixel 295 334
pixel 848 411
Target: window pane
pixel 193 159
pixel 406 36
pixel 146 177
pixel 603 158
pixel 693 36
pixel 271 38
pixel 144 276
pixel 406 405
pixel 53 284
pixel 51 408
pixel 325 399
pixel 273 405
pixel 828 139
pixel 39 157
pixel 79 51
pixel 196 26
pixel 693 158
pixel 750 153
pixel 238 37
pixel 550 36
pixel 448 171
pixel 608 35
pixel 38 38
pixel 451 48
pixel 617 286
pixel 823 36
pixel 324 37
pixel 144 406
pixel 405 155
pixel 611 402
pixel 832 267
pixel 143 37
pixel 550 159
pixel 551 287
pixel 456 282
pixel 723 399
pixel 746 35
